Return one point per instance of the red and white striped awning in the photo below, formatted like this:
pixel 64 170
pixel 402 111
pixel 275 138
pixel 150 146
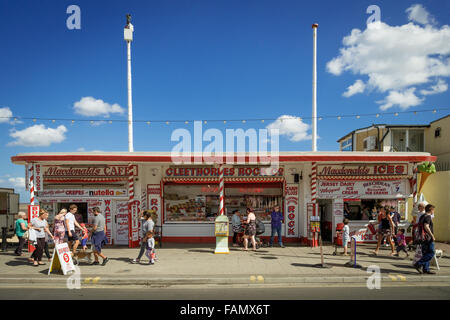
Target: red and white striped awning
pixel 364 178
pixel 227 180
pixel 84 180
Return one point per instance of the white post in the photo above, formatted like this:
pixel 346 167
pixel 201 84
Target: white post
pixel 314 89
pixel 128 36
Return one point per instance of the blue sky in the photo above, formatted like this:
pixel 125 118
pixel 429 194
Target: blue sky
pixel 205 59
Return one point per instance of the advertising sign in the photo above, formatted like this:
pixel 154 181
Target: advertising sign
pixel 154 199
pixel 62 259
pixel 329 189
pixel 38 179
pixel 291 210
pixel 84 193
pixel 121 223
pixel 33 212
pixel 363 170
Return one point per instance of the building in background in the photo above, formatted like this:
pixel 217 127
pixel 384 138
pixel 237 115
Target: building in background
pixel 433 138
pixel 430 138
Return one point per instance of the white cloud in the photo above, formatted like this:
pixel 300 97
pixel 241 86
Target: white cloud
pixel 404 99
pixel 38 136
pixel 5 114
pixel 357 87
pixel 89 106
pixel 17 183
pixel 441 86
pixel 292 127
pixel 395 59
pixel 418 13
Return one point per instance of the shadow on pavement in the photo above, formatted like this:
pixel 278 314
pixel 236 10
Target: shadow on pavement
pixel 18 262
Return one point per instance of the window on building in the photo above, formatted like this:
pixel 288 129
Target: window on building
pixel 408 140
pixel 347 145
pixel 415 140
pixel 437 132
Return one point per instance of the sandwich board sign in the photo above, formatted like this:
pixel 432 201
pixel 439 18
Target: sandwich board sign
pixel 61 259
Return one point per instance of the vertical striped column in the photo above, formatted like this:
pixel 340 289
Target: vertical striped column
pixel 221 191
pixel 31 183
pixel 130 184
pixel 314 196
pixel 415 184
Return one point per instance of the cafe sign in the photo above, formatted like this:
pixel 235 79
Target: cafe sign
pixel 227 172
pixel 87 171
pixel 327 189
pixel 363 170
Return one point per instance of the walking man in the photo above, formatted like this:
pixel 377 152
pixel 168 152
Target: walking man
pixel 277 220
pixel 71 222
pixel 426 222
pixel 98 237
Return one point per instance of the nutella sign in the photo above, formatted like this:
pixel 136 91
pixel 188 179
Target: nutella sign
pixel 363 170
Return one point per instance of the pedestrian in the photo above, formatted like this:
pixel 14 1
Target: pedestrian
pixel 276 222
pixel 345 236
pixel 401 242
pixel 46 250
pixel 85 237
pixel 396 218
pixel 71 222
pixel 250 230
pixel 150 247
pixel 98 237
pixel 415 224
pixel 421 212
pixel 59 229
pixel 147 224
pixel 428 251
pixel 40 226
pixel 21 228
pixel 385 230
pixel 236 227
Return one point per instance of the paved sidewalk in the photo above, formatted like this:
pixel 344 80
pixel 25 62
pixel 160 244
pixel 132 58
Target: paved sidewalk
pixel 197 264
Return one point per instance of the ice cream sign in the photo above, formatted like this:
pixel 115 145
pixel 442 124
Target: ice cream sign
pixel 329 189
pixel 363 170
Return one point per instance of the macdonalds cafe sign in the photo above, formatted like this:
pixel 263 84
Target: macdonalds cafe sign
pixel 88 171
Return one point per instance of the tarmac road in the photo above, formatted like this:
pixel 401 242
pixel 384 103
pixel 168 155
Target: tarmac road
pixel 397 292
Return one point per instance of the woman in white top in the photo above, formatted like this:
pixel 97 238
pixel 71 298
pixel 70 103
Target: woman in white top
pixel 40 226
pixel 250 230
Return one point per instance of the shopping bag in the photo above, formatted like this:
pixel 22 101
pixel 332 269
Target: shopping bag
pixel 418 254
pixel 31 235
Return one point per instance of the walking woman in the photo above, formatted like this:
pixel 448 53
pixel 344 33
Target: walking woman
pixel 386 229
pixel 250 230
pixel 40 225
pixel 21 228
pixel 59 229
pixel 147 224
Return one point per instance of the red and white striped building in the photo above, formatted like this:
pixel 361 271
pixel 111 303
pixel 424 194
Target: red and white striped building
pixel 186 196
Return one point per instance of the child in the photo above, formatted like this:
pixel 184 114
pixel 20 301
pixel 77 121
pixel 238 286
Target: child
pixel 401 242
pixel 85 237
pixel 150 253
pixel 236 226
pixel 346 236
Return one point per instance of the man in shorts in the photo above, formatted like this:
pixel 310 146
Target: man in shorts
pixel 71 222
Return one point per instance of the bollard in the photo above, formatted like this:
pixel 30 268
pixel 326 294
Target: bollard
pixel 352 263
pixel 322 264
pixel 4 242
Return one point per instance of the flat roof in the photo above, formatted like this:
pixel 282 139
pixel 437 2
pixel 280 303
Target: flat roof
pixel 152 157
pixel 383 125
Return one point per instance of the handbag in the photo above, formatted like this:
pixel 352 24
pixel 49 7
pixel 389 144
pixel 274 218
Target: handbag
pixel 31 235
